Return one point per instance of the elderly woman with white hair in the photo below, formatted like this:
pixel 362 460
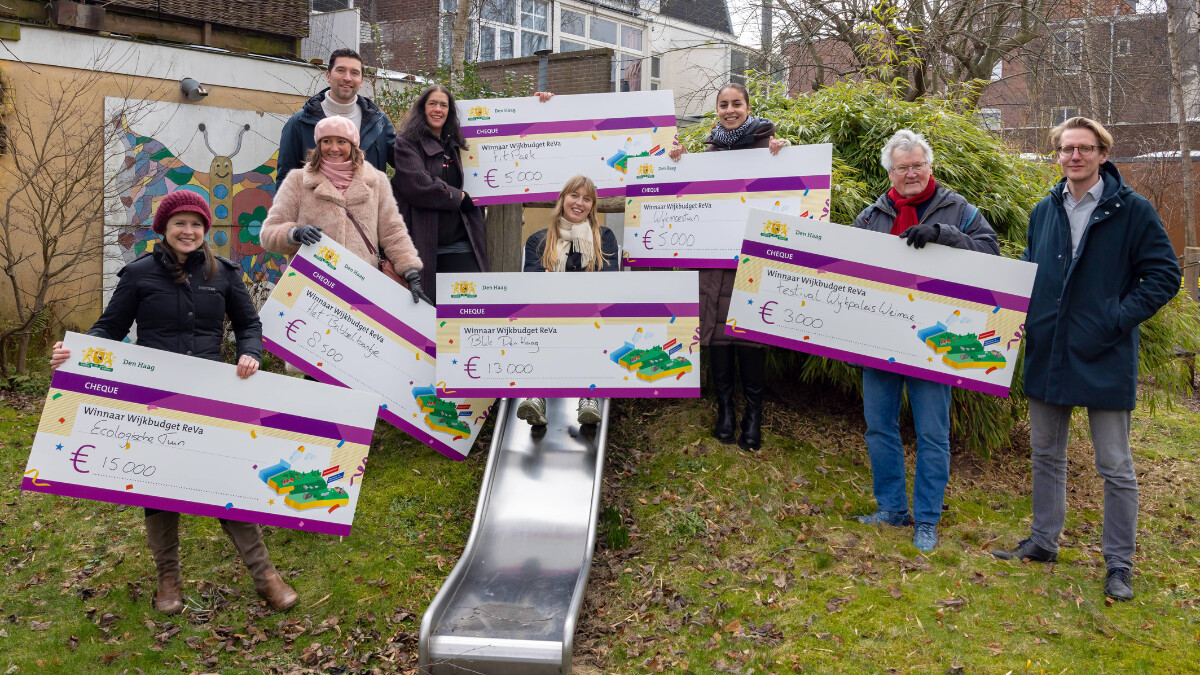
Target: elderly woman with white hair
pixel 923 212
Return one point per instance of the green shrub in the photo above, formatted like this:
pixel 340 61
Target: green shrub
pixel 858 118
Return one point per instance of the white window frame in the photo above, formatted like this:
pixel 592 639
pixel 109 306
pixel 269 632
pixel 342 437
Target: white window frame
pixel 1124 47
pixel 619 50
pixel 739 78
pixel 1061 114
pixel 992 118
pixel 517 30
pixel 1068 52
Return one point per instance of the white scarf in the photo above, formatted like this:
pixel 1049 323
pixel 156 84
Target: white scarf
pixel 579 234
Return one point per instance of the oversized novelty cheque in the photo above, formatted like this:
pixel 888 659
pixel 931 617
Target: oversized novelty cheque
pixel 942 314
pixel 144 427
pixel 343 322
pixel 692 213
pixel 562 334
pixel 522 150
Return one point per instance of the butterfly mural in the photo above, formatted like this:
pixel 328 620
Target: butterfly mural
pixel 239 201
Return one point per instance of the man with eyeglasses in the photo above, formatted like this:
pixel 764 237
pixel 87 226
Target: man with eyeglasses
pixel 1105 265
pixel 922 212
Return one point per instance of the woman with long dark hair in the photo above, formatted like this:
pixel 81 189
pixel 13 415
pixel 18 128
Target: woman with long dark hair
pixel 446 226
pixel 180 294
pixel 735 129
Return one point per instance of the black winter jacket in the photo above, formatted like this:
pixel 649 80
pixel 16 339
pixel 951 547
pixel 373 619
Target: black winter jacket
pixel 535 245
pixel 181 318
pixel 1081 332
pixel 960 225
pixel 375 137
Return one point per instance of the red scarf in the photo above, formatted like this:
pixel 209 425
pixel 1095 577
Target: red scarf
pixel 908 207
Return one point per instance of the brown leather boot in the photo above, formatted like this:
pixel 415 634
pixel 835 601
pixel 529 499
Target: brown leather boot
pixel 162 536
pixel 247 537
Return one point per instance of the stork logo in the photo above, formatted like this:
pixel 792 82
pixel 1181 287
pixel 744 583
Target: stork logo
pixel 478 112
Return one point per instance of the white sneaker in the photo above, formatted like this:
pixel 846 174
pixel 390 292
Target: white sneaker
pixel 533 410
pixel 589 411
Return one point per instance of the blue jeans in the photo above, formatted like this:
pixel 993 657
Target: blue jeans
pixel 930 403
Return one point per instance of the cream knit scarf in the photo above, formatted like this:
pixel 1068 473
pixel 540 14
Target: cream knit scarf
pixel 579 234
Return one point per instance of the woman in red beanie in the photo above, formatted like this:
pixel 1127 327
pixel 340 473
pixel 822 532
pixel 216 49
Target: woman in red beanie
pixel 179 294
pixel 340 196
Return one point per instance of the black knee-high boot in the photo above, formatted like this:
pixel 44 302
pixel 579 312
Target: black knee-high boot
pixel 720 359
pixel 752 364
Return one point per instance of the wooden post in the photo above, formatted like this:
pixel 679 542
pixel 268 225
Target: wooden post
pixel 504 242
pixel 1191 270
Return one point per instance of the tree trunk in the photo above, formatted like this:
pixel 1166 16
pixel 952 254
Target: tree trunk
pixel 504 242
pixel 458 39
pixel 1089 62
pixel 1191 273
pixel 22 353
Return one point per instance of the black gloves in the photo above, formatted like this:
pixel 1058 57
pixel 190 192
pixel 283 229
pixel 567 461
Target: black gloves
pixel 413 278
pixel 305 234
pixel 922 234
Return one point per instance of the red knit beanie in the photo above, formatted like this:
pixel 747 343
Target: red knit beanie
pixel 179 201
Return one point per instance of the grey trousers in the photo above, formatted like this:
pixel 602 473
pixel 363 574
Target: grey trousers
pixel 1048 427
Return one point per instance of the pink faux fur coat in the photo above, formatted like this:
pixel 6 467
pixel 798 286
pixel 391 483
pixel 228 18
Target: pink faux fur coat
pixel 309 198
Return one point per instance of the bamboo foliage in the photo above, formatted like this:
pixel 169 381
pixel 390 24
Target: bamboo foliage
pixel 858 118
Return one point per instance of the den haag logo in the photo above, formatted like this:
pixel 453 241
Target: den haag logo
pixel 327 256
pixel 95 357
pixel 775 229
pixel 478 112
pixel 645 171
pixel 463 289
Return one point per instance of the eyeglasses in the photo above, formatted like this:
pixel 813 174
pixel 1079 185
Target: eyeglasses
pixel 1084 150
pixel 903 170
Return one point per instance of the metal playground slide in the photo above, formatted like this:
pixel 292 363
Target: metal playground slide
pixel 510 604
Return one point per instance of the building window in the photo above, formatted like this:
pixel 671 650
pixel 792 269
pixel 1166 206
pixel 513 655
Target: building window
pixel 631 38
pixel 998 70
pixel 1123 48
pixel 990 118
pixel 329 5
pixel 604 30
pixel 500 34
pixel 655 72
pixel 630 73
pixel 1068 52
pixel 572 23
pixel 579 30
pixel 1060 115
pixel 739 61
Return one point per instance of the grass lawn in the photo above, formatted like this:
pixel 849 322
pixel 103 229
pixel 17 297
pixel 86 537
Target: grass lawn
pixel 736 563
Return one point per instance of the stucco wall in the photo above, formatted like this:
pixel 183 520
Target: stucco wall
pixel 262 91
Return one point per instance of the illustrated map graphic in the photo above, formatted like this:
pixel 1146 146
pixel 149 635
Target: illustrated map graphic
pixel 305 490
pixel 960 351
pixel 442 415
pixel 654 363
pixel 620 161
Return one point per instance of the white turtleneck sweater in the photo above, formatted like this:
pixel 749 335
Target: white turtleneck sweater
pixel 350 110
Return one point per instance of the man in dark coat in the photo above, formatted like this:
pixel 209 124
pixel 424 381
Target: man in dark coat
pixel 375 132
pixel 1105 265
pixel 922 212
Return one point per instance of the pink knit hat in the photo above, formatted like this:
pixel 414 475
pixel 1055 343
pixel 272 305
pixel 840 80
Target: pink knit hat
pixel 336 126
pixel 178 201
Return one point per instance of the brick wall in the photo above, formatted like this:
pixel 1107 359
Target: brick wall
pixel 582 72
pixel 406 34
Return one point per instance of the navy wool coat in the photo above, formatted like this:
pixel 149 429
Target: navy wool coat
pixel 1082 327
